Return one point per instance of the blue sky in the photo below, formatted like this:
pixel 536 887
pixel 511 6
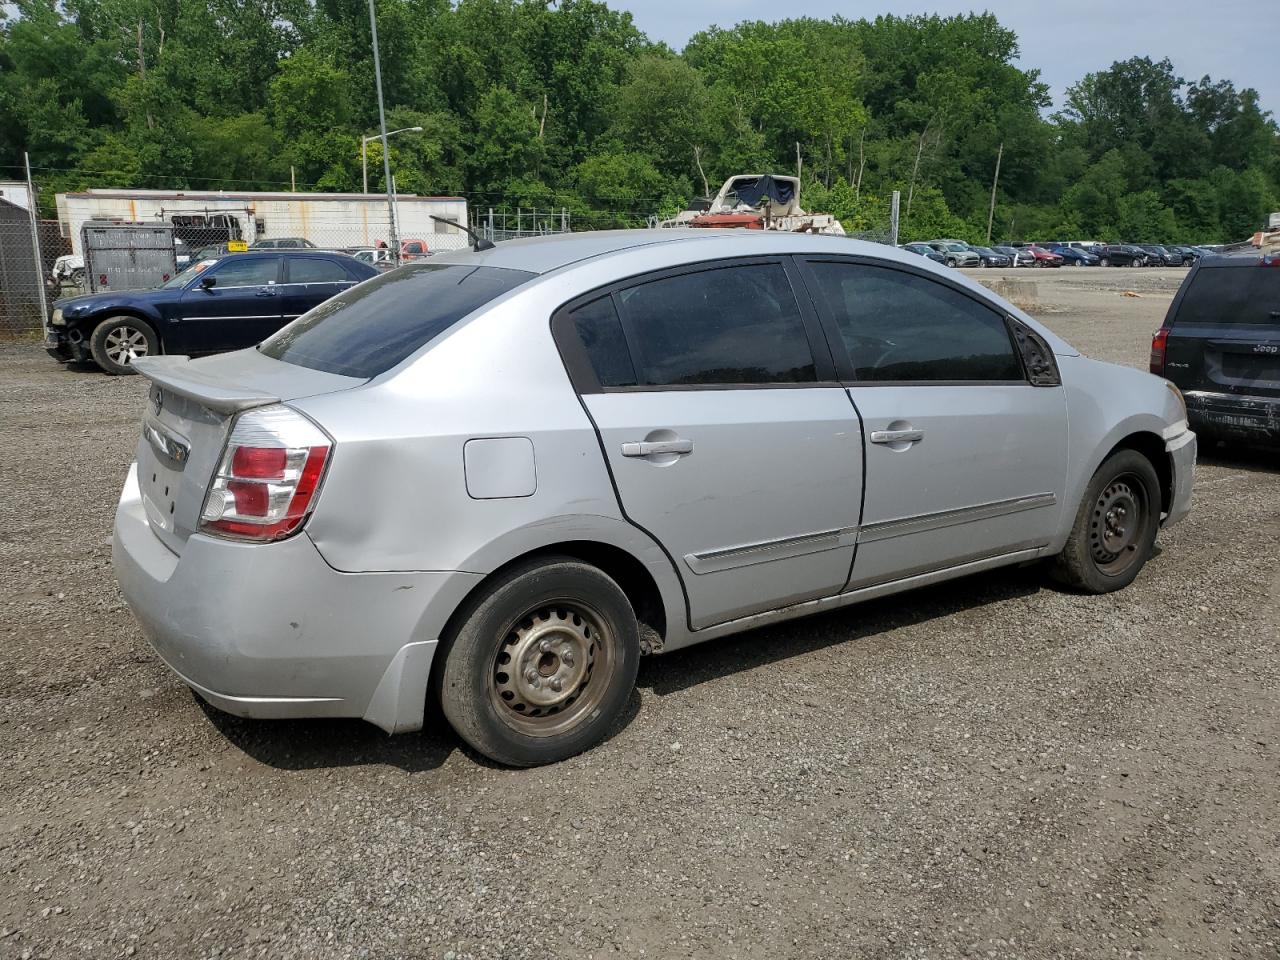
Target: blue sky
pixel 1238 40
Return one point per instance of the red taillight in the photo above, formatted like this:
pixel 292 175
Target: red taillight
pixel 267 481
pixel 264 463
pixel 1158 349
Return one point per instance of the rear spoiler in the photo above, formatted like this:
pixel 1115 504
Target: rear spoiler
pixel 175 374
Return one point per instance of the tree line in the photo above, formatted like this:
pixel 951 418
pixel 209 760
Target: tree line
pixel 568 105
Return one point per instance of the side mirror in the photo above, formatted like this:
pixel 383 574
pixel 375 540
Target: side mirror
pixel 207 282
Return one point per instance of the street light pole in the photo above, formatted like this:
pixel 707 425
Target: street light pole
pixel 382 125
pixel 364 151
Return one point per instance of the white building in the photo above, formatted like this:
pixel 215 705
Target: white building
pixel 15 192
pixel 328 220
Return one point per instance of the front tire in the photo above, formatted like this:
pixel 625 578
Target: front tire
pixel 1115 527
pixel 541 664
pixel 117 341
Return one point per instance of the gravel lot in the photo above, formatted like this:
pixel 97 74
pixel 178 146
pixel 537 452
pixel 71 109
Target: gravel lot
pixel 987 768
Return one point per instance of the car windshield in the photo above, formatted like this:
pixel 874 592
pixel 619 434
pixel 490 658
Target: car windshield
pixel 185 277
pixel 956 247
pixel 370 328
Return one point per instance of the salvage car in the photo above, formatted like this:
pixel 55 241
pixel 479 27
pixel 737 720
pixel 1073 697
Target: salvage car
pixel 1220 344
pixel 1122 255
pixel 491 481
pixel 993 258
pixel 955 253
pixel 222 303
pixel 1019 256
pixel 1074 256
pixel 1043 256
pixel 924 250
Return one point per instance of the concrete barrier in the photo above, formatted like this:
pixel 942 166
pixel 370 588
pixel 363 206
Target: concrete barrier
pixel 1021 293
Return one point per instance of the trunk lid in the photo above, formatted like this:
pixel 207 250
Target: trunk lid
pixel 1224 329
pixel 189 412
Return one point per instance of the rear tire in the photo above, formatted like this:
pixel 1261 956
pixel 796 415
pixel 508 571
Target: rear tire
pixel 1115 526
pixel 541 664
pixel 117 341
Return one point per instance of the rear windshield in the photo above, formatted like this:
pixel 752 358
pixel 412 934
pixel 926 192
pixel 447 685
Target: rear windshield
pixel 1247 294
pixel 370 328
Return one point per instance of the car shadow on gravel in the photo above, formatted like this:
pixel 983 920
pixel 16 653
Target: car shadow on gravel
pixel 1234 456
pixel 681 669
pixel 319 744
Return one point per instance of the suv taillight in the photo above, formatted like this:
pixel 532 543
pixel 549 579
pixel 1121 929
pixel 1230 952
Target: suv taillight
pixel 270 473
pixel 1157 350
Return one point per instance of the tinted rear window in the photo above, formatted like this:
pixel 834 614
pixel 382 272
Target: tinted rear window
pixel 370 328
pixel 1248 294
pixel 726 325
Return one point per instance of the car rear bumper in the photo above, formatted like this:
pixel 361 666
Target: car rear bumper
pixel 1235 416
pixel 272 631
pixel 1182 456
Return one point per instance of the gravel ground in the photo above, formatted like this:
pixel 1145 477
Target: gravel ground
pixel 986 768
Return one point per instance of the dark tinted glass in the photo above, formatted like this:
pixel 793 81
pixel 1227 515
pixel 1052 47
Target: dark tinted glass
pixel 368 329
pixel 601 335
pixel 239 271
pixel 901 327
pixel 722 326
pixel 1245 294
pixel 307 270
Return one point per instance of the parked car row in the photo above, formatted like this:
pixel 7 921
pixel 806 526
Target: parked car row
pixel 1056 253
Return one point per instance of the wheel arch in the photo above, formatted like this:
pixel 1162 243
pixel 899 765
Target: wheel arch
pixel 91 322
pixel 658 606
pixel 1152 446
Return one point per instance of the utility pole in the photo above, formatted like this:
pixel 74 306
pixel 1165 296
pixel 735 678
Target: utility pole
pixel 799 162
pixel 893 218
pixel 35 244
pixel 994 180
pixel 382 125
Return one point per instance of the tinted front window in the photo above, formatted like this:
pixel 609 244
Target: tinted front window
pixel 246 271
pixel 721 326
pixel 316 271
pixel 1248 294
pixel 368 329
pixel 902 327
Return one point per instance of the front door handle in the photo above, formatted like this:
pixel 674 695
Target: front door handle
pixel 653 448
pixel 267 292
pixel 896 436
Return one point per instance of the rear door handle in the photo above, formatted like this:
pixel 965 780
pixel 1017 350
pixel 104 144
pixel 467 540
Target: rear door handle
pixel 267 292
pixel 651 448
pixel 896 436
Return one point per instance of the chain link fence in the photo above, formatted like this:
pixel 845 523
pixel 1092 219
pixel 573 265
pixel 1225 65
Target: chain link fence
pixel 210 225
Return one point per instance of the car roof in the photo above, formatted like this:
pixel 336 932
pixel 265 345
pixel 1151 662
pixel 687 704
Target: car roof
pixel 545 254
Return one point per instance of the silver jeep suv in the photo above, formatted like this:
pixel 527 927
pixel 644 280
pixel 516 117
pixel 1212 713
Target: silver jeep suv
pixel 498 478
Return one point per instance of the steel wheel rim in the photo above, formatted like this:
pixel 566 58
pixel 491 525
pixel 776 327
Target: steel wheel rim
pixel 124 344
pixel 552 668
pixel 1116 525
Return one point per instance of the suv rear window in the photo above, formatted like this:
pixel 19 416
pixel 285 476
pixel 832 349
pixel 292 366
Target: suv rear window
pixel 370 328
pixel 1225 295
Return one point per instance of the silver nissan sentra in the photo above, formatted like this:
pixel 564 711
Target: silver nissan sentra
pixel 498 478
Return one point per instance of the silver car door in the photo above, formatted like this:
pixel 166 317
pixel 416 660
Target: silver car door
pixel 727 439
pixel 966 457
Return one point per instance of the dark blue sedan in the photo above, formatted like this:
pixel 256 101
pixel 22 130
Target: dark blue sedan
pixel 221 303
pixel 1075 256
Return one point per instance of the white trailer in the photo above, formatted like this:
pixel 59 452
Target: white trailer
pixel 328 220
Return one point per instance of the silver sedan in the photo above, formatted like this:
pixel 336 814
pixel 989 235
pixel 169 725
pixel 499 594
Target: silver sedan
pixel 496 479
